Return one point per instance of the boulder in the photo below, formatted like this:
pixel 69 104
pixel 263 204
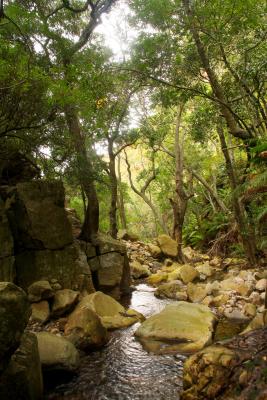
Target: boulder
pixel 206 372
pixel 171 290
pixel 261 285
pixel 14 315
pixel 123 234
pixel 64 302
pixel 37 215
pixel 235 313
pixel 235 369
pixel 155 279
pixel 168 246
pixel 56 352
pixel 40 290
pixel 154 250
pixel 220 300
pixel 174 273
pixel 111 269
pixel 188 273
pixel 182 326
pixel 205 269
pixel 196 293
pixel 111 313
pixel 40 311
pixel 138 270
pixel 22 379
pixel 68 266
pixel 84 329
pixel 236 284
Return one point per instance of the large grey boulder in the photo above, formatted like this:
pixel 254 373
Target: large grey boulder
pixel 56 352
pixel 68 266
pixel 181 326
pixel 37 215
pixel 22 379
pixel 14 315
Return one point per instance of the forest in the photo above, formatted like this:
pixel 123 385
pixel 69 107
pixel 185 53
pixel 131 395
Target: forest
pixel 146 120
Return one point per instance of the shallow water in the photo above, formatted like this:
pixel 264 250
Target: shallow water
pixel 123 370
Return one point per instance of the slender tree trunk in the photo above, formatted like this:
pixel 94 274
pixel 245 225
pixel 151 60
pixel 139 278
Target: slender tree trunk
pixel 179 204
pixel 113 191
pixel 246 231
pixel 212 192
pixel 85 169
pixel 142 194
pixel 121 198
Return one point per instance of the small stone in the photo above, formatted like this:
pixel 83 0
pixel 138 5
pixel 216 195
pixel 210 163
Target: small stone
pixel 56 286
pixel 255 298
pixel 261 285
pixel 243 378
pixel 40 290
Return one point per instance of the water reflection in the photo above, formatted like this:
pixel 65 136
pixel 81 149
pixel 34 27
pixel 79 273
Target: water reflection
pixel 123 370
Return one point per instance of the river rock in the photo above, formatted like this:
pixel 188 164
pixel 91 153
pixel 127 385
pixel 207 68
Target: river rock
pixel 56 352
pixel 235 313
pixel 196 293
pixel 167 245
pixel 84 329
pixel 14 315
pixel 171 290
pixel 138 270
pixel 22 379
pixel 40 290
pixel 40 311
pixel 205 269
pixel 188 273
pixel 111 313
pixel 173 272
pixel 206 372
pixel 158 277
pixel 187 326
pixel 220 300
pixel 154 250
pixel 64 301
pixel 255 298
pixel 261 285
pixel 238 285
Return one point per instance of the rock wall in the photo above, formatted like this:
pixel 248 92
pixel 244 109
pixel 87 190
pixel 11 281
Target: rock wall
pixel 37 243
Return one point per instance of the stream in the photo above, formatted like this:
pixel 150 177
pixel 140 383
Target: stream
pixel 123 370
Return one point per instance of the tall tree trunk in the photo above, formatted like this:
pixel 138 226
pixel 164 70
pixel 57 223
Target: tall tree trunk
pixel 121 198
pixel 213 79
pixel 113 191
pixel 246 231
pixel 85 169
pixel 179 204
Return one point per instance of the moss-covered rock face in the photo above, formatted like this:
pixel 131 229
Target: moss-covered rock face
pixel 57 352
pixel 7 270
pixel 22 379
pixel 37 215
pixel 68 266
pixel 14 315
pixel 181 326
